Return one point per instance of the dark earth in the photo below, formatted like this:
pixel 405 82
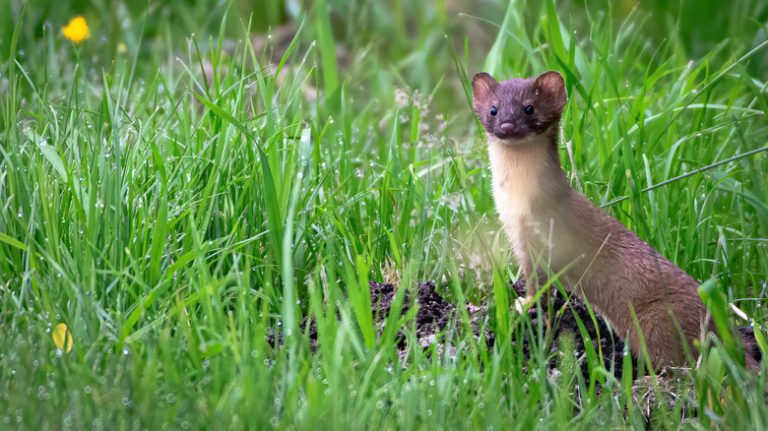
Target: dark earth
pixel 559 314
pixel 435 314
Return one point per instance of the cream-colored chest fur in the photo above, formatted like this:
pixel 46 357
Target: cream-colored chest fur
pixel 518 170
pixel 530 192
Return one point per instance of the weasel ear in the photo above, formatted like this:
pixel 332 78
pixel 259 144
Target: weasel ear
pixel 483 86
pixel 550 86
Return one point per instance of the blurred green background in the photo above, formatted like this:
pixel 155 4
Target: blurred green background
pixel 394 29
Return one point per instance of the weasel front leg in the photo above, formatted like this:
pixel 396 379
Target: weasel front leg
pixel 534 277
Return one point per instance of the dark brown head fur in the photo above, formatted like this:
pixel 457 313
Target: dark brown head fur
pixel 518 107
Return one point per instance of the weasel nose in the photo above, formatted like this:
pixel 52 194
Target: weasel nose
pixel 506 127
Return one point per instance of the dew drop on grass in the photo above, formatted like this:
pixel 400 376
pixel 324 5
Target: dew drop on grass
pixel 379 404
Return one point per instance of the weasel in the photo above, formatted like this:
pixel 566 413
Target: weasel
pixel 554 229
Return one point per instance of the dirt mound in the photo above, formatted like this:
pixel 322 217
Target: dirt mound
pixel 560 314
pixel 568 312
pixel 435 314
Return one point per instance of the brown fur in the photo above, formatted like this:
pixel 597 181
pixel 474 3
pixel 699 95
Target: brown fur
pixel 553 228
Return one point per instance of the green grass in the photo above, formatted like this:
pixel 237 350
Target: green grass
pixel 172 222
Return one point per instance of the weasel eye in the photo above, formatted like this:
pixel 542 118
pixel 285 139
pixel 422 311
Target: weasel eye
pixel 494 111
pixel 528 110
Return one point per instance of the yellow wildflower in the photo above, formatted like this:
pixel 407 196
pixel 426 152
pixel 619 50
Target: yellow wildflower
pixel 76 30
pixel 62 337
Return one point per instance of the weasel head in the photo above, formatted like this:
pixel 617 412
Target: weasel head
pixel 518 109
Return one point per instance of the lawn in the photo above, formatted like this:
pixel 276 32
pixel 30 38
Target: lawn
pixel 185 186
